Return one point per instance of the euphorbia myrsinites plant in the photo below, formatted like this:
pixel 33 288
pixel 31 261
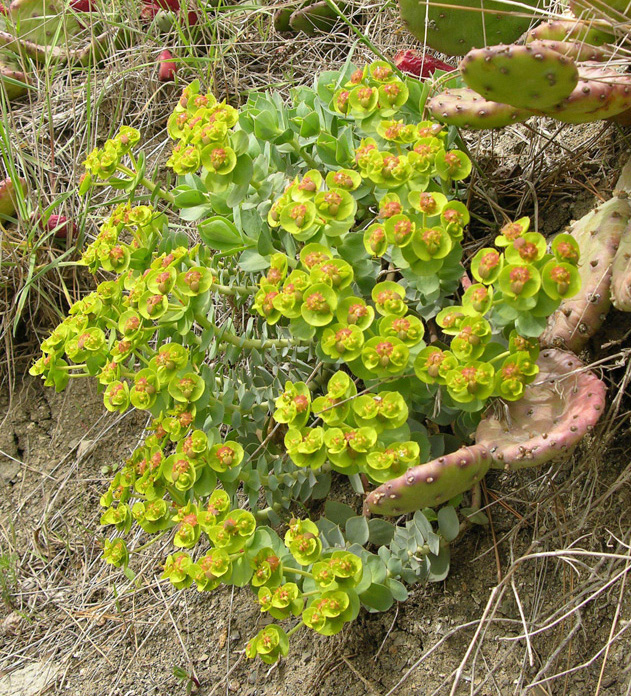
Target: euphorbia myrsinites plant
pixel 318 321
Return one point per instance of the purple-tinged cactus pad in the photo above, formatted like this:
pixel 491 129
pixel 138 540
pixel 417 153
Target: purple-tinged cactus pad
pixel 431 484
pixel 17 83
pixel 39 53
pixel 467 109
pixel 521 76
pixel 557 410
pixel 7 197
pixel 600 93
pixel 621 273
pixel 575 50
pixel 594 33
pixel 598 235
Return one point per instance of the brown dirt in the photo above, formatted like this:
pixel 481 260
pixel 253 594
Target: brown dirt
pixel 106 634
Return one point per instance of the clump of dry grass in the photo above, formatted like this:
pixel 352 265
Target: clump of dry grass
pixel 48 133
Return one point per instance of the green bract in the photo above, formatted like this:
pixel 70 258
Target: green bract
pixel 355 311
pixel 565 248
pixel 305 446
pixel 270 643
pixel 225 456
pixel 393 461
pixel 302 540
pixel 210 569
pixel 334 406
pixel 560 279
pixel 319 303
pixel 383 411
pixel 516 372
pixel 389 298
pixel 347 447
pixel 232 533
pixel 487 265
pixel 293 405
pixel 408 329
pixel 473 380
pixel 188 387
pixel 385 356
pixel 340 341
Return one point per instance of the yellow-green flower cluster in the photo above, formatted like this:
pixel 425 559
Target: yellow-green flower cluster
pixel 371 89
pixel 102 162
pixel 351 439
pixel 310 205
pixel 203 129
pixel 524 280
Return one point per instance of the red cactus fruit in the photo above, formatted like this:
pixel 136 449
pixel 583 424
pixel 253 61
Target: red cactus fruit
pixel 148 11
pixel 168 66
pixel 84 5
pixel 173 5
pixel 422 66
pixel 60 225
pixel 8 197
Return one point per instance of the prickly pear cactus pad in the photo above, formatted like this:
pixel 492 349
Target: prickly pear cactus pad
pixel 558 409
pixel 287 341
pixel 555 413
pixel 601 92
pixel 521 76
pixel 467 109
pixel 13 80
pixel 431 484
pixel 592 33
pixel 314 17
pixel 616 10
pixel 621 274
pixel 577 51
pixel 44 22
pixel 454 27
pixel 597 236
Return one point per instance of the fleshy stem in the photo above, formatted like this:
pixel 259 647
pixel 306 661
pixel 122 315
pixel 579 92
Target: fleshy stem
pixel 248 343
pixel 297 571
pixel 234 289
pixel 149 543
pixel 294 629
pixel 505 354
pixel 301 153
pixel 154 188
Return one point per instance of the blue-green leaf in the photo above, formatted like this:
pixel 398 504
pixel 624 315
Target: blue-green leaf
pixel 357 531
pixel 448 523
